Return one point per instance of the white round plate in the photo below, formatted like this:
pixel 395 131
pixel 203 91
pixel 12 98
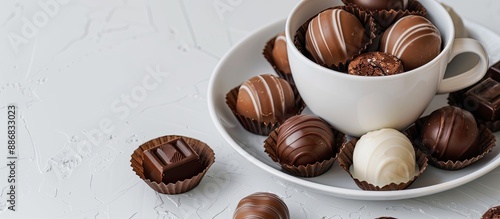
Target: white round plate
pixel 246 60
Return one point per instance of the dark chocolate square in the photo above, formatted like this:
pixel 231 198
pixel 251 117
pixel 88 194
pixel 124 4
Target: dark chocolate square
pixel 171 162
pixel 483 99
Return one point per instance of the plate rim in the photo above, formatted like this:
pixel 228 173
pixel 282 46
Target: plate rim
pixel 331 190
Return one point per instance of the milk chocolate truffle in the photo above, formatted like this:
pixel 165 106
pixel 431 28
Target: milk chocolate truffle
pixel 334 36
pixel 383 157
pixel 280 55
pixel 373 5
pixel 171 162
pixel 375 64
pixel 450 133
pixel 265 98
pixel 305 139
pixel 261 205
pixel 413 39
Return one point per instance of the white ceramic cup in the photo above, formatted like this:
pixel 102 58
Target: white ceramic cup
pixel 358 104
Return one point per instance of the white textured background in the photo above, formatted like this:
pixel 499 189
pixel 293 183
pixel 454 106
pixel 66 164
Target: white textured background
pixel 75 69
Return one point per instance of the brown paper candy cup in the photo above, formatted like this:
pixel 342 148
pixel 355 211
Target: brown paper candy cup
pixel 345 159
pixel 457 99
pixel 370 34
pixel 385 18
pixel 205 153
pixel 254 126
pixel 309 170
pixel 486 141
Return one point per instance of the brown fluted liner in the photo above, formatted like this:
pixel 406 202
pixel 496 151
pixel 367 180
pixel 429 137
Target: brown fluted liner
pixel 309 170
pixel 486 141
pixel 370 34
pixel 205 153
pixel 456 99
pixel 254 126
pixel 345 159
pixel 385 18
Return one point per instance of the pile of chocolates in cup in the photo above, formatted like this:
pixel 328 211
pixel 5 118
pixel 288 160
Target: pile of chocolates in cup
pixel 366 39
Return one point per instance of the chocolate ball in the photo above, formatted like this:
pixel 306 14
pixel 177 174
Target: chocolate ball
pixel 373 5
pixel 375 64
pixel 280 55
pixel 334 36
pixel 413 39
pixel 265 98
pixel 261 205
pixel 450 133
pixel 304 139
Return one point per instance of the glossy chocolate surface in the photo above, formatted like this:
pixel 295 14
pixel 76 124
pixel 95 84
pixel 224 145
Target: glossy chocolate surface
pixel 450 133
pixel 334 36
pixel 261 205
pixel 280 54
pixel 381 4
pixel 375 64
pixel 413 39
pixel 265 98
pixel 483 100
pixel 171 162
pixel 305 139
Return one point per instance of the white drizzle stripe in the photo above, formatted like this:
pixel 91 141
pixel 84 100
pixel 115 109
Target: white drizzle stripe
pixel 269 93
pixel 339 32
pixel 313 39
pixel 256 102
pixel 406 37
pixel 281 94
pixel 389 34
pixel 323 38
pixel 403 48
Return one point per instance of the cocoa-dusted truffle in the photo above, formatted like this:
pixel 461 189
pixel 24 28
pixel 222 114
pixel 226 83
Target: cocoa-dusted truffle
pixel 261 205
pixel 450 133
pixel 413 39
pixel 375 64
pixel 171 162
pixel 381 4
pixel 280 55
pixel 305 139
pixel 265 98
pixel 334 36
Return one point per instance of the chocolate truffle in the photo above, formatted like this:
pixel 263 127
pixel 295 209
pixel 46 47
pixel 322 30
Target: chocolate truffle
pixel 492 213
pixel 373 5
pixel 261 205
pixel 280 55
pixel 413 39
pixel 383 157
pixel 334 36
pixel 265 98
pixel 171 162
pixel 304 139
pixel 375 64
pixel 450 133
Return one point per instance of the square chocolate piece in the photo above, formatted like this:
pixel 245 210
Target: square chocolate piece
pixel 483 99
pixel 171 162
pixel 493 72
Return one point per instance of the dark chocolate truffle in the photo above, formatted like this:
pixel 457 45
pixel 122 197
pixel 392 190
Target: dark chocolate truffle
pixel 375 64
pixel 305 139
pixel 334 36
pixel 450 133
pixel 373 5
pixel 261 205
pixel 492 213
pixel 171 162
pixel 265 98
pixel 280 55
pixel 413 39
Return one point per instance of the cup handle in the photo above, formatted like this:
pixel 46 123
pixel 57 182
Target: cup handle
pixel 471 76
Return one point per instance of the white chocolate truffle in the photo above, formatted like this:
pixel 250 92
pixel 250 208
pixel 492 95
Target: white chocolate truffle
pixel 383 157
